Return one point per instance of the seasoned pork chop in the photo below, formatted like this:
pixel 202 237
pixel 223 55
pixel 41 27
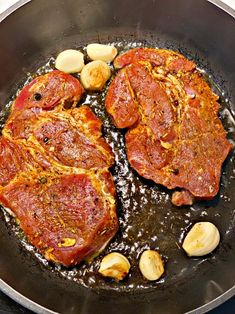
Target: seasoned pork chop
pixel 54 171
pixel 67 217
pixel 174 135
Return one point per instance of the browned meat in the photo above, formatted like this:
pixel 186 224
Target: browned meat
pixel 14 159
pixel 69 141
pixel 172 60
pixel 48 91
pixel 175 137
pixel 54 171
pixel 183 197
pixel 67 217
pixel 54 90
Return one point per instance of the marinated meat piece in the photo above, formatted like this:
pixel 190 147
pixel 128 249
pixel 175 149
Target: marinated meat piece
pixel 66 141
pixel 177 139
pixel 120 102
pixel 20 125
pixel 72 137
pixel 54 171
pixel 168 59
pixel 180 198
pixel 68 136
pixel 68 218
pixel 14 159
pixel 46 92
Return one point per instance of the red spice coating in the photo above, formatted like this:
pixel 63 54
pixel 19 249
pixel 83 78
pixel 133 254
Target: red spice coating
pixel 175 137
pixel 54 171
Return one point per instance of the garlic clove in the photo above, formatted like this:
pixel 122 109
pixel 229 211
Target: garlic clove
pixel 101 52
pixel 151 265
pixel 114 265
pixel 95 74
pixel 70 61
pixel 202 239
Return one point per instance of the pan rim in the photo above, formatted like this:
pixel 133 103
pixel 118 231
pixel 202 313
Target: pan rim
pixel 37 308
pixel 22 300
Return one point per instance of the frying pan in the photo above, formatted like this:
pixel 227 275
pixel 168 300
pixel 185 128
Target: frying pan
pixel 29 34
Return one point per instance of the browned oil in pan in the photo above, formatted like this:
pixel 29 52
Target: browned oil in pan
pixel 147 218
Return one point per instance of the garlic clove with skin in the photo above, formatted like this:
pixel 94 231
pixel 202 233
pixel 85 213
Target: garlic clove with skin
pixel 95 74
pixel 114 265
pixel 105 53
pixel 202 239
pixel 151 265
pixel 70 61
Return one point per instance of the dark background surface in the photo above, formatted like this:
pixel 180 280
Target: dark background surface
pixel 9 306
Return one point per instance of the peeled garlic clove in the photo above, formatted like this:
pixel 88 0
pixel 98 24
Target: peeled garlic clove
pixel 202 239
pixel 70 61
pixel 114 265
pixel 101 52
pixel 151 265
pixel 95 74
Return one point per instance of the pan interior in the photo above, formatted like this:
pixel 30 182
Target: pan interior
pixel 147 218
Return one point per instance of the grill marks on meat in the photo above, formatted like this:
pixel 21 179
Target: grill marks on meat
pixel 175 137
pixel 54 171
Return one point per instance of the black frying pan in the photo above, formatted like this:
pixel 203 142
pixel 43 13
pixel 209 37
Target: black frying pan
pixel 200 30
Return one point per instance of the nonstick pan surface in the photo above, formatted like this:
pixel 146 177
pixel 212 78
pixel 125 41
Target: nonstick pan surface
pixel 203 32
